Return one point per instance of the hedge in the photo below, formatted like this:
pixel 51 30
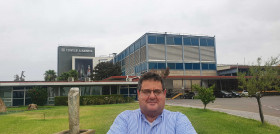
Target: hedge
pixel 94 100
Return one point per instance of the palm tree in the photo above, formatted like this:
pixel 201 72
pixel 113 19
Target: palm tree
pixel 50 75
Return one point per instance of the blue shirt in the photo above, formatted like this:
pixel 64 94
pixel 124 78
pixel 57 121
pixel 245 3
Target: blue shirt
pixel 134 122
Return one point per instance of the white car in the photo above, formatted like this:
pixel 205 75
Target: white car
pixel 244 93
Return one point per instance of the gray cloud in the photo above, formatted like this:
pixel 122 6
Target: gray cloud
pixel 31 30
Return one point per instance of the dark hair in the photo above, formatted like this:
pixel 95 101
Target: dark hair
pixel 150 76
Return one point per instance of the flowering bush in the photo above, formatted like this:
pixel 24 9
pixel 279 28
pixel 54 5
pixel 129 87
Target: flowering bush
pixel 38 95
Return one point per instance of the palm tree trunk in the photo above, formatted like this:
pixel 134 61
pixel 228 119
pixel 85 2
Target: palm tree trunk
pixel 258 97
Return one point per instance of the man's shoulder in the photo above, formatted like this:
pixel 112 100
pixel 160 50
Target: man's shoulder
pixel 167 112
pixel 130 112
pixel 173 115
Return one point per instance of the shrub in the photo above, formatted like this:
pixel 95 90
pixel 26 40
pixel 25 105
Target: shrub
pixel 38 95
pixel 95 100
pixel 61 101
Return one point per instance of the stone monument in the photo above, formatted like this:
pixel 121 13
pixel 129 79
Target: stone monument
pixel 2 106
pixel 73 113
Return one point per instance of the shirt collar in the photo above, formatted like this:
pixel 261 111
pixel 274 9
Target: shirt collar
pixel 156 121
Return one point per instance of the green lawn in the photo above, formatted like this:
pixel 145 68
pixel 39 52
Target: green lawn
pixel 100 118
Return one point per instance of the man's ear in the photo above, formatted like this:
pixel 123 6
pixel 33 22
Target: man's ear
pixel 138 93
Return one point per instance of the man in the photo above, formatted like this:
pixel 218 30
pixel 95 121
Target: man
pixel 151 118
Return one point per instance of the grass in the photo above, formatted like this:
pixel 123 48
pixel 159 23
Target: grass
pixel 100 118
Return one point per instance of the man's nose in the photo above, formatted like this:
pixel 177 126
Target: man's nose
pixel 152 95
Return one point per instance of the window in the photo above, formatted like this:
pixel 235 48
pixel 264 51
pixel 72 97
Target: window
pixel 169 41
pixel 203 42
pixel 187 41
pixel 152 65
pixel 171 65
pixel 178 40
pixel 196 66
pixel 188 66
pixel 212 66
pixel 194 41
pixel 160 40
pixel 205 66
pixel 126 52
pixel 210 42
pixel 137 45
pixel 131 49
pixel 179 66
pixel 143 41
pixel 152 39
pixel 161 66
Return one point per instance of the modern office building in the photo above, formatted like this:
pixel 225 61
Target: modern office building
pixel 185 55
pixel 81 57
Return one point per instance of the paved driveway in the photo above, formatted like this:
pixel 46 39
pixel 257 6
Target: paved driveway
pixel 244 107
pixel 271 104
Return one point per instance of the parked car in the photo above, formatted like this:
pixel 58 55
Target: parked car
pixel 222 94
pixel 235 94
pixel 244 93
pixel 189 95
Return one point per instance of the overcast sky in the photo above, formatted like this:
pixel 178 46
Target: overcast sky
pixel 31 30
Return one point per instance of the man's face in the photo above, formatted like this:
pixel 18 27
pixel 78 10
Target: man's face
pixel 151 102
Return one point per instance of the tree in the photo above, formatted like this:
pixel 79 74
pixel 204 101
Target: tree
pixel 106 69
pixel 164 73
pixel 38 95
pixel 72 73
pixel 64 76
pixel 206 95
pixel 16 78
pixel 21 78
pixel 260 79
pixel 50 75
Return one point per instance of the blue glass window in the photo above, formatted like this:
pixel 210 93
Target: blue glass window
pixel 152 39
pixel 171 65
pixel 152 65
pixel 131 49
pixel 177 40
pixel 122 56
pixel 204 66
pixel 169 41
pixel 210 41
pixel 212 66
pixel 126 52
pixel 161 66
pixel 179 66
pixel 144 66
pixel 137 45
pixel 188 66
pixel 196 66
pixel 187 41
pixel 160 40
pixel 203 42
pixel 143 41
pixel 194 41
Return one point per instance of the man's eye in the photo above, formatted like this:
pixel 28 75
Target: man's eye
pixel 157 91
pixel 146 91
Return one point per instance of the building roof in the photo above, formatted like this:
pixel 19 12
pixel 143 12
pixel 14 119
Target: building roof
pixel 56 83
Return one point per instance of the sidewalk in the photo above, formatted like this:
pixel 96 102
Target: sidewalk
pixel 250 115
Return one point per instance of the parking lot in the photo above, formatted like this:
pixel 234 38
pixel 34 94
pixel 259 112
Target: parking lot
pixel 271 104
